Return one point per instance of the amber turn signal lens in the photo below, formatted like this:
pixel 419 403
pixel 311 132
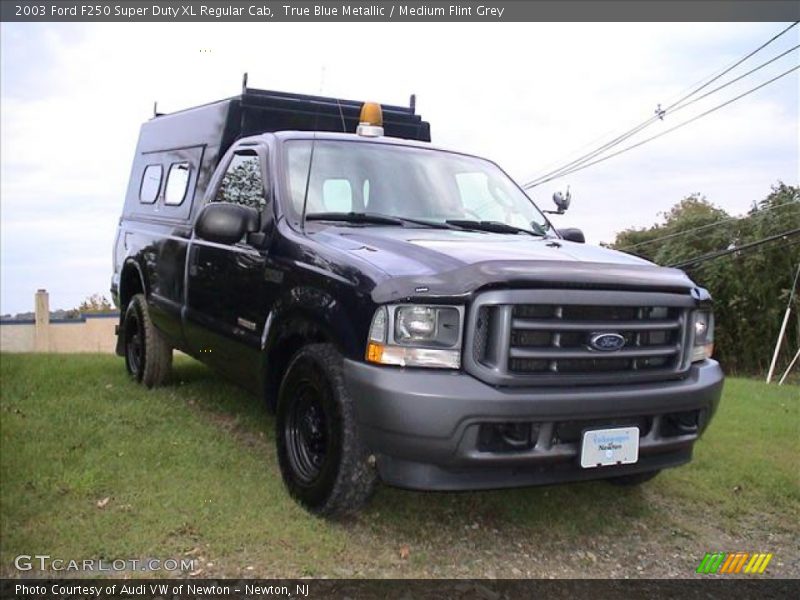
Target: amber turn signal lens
pixel 371 114
pixel 374 352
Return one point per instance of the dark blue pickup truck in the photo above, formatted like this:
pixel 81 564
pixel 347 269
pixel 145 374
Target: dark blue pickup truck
pixel 408 312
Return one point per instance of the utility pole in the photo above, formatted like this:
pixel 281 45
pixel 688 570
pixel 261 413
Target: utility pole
pixel 783 326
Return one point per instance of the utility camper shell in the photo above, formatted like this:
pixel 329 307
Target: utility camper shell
pixel 191 142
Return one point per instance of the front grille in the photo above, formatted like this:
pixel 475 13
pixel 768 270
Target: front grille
pixel 518 340
pixel 558 339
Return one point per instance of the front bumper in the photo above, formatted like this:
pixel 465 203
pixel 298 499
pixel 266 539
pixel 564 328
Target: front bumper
pixel 423 425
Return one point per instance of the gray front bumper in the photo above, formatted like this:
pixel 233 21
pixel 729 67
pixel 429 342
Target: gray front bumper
pixel 422 425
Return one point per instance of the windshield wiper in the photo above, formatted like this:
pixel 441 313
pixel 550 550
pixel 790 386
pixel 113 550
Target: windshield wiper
pixel 424 223
pixel 493 227
pixel 353 217
pixel 373 218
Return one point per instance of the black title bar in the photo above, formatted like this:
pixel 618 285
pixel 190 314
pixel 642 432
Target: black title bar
pixel 344 10
pixel 390 589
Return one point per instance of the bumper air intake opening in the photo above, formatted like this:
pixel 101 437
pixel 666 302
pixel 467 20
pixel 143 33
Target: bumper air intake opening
pixel 684 423
pixel 507 437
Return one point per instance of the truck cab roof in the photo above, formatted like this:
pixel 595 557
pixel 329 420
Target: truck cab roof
pixel 341 137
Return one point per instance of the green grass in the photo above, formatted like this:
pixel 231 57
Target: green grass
pixel 190 468
pixel 749 463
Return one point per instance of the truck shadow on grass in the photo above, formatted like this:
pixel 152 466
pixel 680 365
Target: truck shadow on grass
pixel 565 510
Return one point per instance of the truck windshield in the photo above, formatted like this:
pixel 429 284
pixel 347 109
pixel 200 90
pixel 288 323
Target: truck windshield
pixel 404 182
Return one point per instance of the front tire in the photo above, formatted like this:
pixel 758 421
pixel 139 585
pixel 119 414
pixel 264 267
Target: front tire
pixel 148 356
pixel 322 459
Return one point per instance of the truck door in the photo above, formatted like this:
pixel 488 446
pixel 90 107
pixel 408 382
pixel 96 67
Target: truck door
pixel 228 296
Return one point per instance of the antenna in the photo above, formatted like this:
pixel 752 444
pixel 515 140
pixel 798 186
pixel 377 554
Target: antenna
pixel 244 83
pixel 311 158
pixel 341 114
pixel 412 103
pixel 308 177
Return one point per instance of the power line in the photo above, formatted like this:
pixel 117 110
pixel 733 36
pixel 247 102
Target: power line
pixel 683 232
pixel 737 63
pixel 740 77
pixel 657 117
pixel 719 253
pixel 737 252
pixel 621 138
pixel 696 271
pixel 670 130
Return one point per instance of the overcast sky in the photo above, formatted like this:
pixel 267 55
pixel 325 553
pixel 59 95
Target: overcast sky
pixel 72 97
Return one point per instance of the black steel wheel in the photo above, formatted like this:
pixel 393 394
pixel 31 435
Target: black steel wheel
pixel 306 430
pixel 322 459
pixel 148 356
pixel 134 344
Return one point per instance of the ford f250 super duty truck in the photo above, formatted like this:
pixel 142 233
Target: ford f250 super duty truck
pixel 408 312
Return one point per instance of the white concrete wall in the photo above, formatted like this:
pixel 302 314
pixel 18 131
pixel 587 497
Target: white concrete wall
pixel 17 337
pixel 90 333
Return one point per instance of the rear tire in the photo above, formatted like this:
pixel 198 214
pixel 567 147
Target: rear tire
pixel 635 479
pixel 148 356
pixel 323 461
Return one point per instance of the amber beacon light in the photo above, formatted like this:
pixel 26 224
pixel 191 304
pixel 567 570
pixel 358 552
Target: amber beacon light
pixel 371 120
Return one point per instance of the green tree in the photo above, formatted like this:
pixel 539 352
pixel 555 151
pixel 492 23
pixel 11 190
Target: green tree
pixel 95 303
pixel 750 288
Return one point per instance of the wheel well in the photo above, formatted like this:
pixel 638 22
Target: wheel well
pixel 130 284
pixel 292 336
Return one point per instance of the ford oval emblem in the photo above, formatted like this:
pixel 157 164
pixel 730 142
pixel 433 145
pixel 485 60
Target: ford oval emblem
pixel 607 342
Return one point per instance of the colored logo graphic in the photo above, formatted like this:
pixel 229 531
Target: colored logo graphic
pixel 734 562
pixel 607 342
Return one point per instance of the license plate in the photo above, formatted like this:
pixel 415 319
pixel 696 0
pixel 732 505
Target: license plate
pixel 605 447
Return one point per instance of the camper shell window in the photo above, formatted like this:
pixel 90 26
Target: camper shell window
pixel 151 184
pixel 177 183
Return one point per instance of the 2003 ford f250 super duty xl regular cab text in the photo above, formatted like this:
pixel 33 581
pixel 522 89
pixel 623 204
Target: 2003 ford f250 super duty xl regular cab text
pixel 407 312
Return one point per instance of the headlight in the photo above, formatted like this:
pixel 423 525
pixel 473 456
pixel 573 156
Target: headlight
pixel 416 335
pixel 415 323
pixel 438 326
pixel 703 346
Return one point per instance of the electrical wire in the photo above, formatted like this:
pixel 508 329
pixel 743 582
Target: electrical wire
pixel 683 232
pixel 771 246
pixel 732 81
pixel 672 107
pixel 719 253
pixel 697 272
pixel 736 64
pixel 670 130
pixel 733 254
pixel 616 141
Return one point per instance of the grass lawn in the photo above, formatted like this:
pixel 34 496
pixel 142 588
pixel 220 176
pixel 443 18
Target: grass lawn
pixel 189 470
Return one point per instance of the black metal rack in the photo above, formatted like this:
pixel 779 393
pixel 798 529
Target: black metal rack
pixel 265 110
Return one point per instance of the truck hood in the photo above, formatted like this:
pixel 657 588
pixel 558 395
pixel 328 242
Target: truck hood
pixel 434 262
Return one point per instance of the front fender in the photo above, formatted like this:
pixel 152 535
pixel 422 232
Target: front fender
pixel 315 309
